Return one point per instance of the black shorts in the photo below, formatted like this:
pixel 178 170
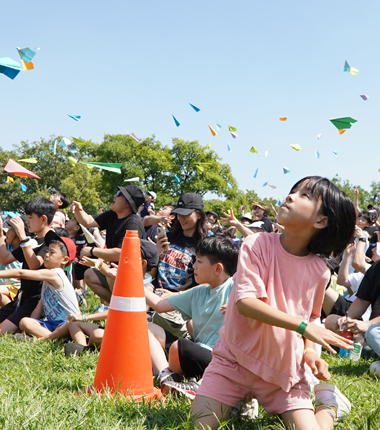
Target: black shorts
pixel 193 358
pixel 78 270
pixel 15 315
pixel 341 306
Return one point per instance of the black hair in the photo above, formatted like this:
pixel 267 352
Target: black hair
pixel 367 216
pixel 340 213
pixel 64 200
pixel 61 245
pixel 219 249
pixel 61 231
pixel 41 206
pixel 200 229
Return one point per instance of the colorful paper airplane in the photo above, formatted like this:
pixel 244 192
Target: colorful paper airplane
pixel 316 154
pixel 18 170
pixel 74 117
pixel 284 118
pixel 9 67
pixel 234 135
pixel 78 141
pixel 29 160
pixel 194 107
pixel 218 126
pixel 10 179
pixel 346 67
pixel 272 186
pixel 72 161
pixel 228 147
pixel 342 131
pixel 229 184
pixel 265 184
pixel 27 66
pixel 132 179
pixel 65 141
pixel 111 167
pixel 26 54
pixel 296 147
pixel 139 140
pixel 253 150
pixel 176 122
pixel 177 179
pixel 343 123
pixel 213 132
pixel 208 146
pixel 231 129
pixel 364 97
pixel 354 71
pixel 286 170
pixel 335 153
pixel 23 187
pixel 255 175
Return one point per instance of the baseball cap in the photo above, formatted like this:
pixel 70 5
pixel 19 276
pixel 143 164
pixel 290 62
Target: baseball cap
pixel 149 252
pixel 51 236
pixel 256 224
pixel 134 196
pixel 260 206
pixel 247 216
pixel 152 193
pixel 213 213
pixel 188 203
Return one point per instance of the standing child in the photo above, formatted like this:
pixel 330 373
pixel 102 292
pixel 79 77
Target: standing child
pixel 278 292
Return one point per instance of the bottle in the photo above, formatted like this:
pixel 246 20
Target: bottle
pixel 345 353
pixel 358 346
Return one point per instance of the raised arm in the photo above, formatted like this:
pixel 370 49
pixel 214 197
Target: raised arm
pixel 47 275
pixel 343 278
pixel 229 218
pixel 356 201
pixel 81 216
pixel 358 261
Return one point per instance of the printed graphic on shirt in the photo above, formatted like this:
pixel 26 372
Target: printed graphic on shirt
pixel 173 267
pixel 52 308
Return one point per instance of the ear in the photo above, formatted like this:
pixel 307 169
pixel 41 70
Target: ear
pixel 219 268
pixel 44 218
pixel 322 222
pixel 65 260
pixel 59 204
pixel 144 264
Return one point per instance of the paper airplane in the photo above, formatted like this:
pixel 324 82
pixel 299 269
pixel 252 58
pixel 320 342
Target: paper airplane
pixel 139 140
pixel 89 237
pixel 132 179
pixel 234 135
pixel 316 154
pixel 10 179
pixel 278 203
pixel 78 141
pixel 265 184
pixel 272 186
pixel 72 161
pixel 255 175
pixel 23 187
pixel 9 67
pixel 346 67
pixel 65 141
pixel 18 170
pixel 284 118
pixel 213 132
pixel 286 170
pixel 208 146
pixel 74 117
pixel 354 71
pixel 266 154
pixel 200 169
pixel 27 66
pixel 319 135
pixel 335 153
pixel 194 107
pixel 176 122
pixel 342 131
pixel 229 184
pixel 343 123
pixel 218 126
pixel 228 147
pixel 26 54
pixel 364 97
pixel 111 167
pixel 296 147
pixel 231 129
pixel 177 179
pixel 253 150
pixel 29 160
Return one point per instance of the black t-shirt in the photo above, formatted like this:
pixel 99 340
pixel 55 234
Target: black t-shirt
pixel 30 290
pixel 80 242
pixel 175 268
pixel 267 226
pixel 369 288
pixel 152 232
pixel 116 227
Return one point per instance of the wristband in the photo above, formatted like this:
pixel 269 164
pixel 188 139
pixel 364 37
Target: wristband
pixel 26 245
pixel 25 240
pixel 309 350
pixel 92 253
pixel 84 318
pixel 302 327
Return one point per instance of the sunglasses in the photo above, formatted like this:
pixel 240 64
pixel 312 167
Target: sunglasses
pixel 119 193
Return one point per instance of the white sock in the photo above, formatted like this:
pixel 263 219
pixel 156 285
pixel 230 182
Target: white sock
pixel 165 373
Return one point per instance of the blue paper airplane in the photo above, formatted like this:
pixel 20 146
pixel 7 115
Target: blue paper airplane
pixel 177 179
pixel 347 67
pixel 26 54
pixel 9 67
pixel 285 170
pixel 23 187
pixel 228 147
pixel 194 107
pixel 316 154
pixel 75 117
pixel 335 152
pixel 176 122
pixel 229 184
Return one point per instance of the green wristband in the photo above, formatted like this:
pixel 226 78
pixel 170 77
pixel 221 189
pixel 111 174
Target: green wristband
pixel 301 329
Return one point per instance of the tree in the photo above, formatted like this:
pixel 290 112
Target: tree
pixel 347 188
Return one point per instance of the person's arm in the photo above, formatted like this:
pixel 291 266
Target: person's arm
pixel 99 316
pixel 231 220
pixel 356 201
pixel 261 311
pixel 157 303
pixel 112 254
pixel 101 266
pixel 343 278
pixel 38 310
pixel 6 257
pixel 81 216
pixel 155 219
pixel 358 261
pixel 47 275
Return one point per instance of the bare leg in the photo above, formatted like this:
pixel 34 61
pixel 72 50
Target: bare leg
pixel 78 331
pixel 157 347
pixel 207 412
pixel 7 327
pixel 96 337
pixel 174 363
pixel 93 282
pixel 33 327
pixel 4 299
pixel 59 333
pixel 304 419
pixel 331 296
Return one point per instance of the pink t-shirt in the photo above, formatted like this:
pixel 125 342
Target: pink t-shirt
pixel 292 284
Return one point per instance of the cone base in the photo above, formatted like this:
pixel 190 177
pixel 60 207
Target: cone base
pixel 154 394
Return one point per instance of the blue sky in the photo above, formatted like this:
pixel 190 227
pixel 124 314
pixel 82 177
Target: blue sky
pixel 131 64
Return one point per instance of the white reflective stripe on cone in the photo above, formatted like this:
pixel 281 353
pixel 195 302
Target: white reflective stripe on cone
pixel 128 304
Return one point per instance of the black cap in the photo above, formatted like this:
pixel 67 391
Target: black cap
pixel 216 215
pixel 149 252
pixel 188 203
pixel 134 196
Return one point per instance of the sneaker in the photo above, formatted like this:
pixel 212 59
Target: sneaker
pixel 80 297
pixel 375 368
pixel 21 337
pixel 329 396
pixel 101 308
pixel 189 389
pixel 248 410
pixel 170 377
pixel 77 349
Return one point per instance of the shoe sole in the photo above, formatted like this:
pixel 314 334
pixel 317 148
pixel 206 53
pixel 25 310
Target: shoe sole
pixel 172 388
pixel 336 391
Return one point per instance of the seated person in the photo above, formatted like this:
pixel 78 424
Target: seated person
pixel 58 298
pixel 216 261
pixel 60 201
pixel 261 212
pixel 81 327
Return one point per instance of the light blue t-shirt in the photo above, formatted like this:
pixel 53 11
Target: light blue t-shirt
pixel 202 305
pixel 14 265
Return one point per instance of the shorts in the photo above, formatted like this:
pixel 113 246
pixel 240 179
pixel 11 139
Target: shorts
pixel 15 314
pixel 78 270
pixel 228 382
pixel 103 279
pixel 171 321
pixel 340 307
pixel 13 290
pixel 193 358
pixel 50 325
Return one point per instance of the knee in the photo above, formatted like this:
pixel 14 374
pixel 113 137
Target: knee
pixel 373 335
pixel 96 337
pixel 24 323
pixel 88 276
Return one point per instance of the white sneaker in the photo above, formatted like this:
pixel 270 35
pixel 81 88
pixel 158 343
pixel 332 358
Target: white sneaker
pixel 375 368
pixel 329 396
pixel 249 410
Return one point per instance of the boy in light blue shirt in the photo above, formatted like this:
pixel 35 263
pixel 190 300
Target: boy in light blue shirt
pixel 216 262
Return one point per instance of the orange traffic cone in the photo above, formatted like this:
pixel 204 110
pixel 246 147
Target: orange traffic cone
pixel 124 360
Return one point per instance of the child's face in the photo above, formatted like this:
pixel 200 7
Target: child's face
pixel 300 208
pixel 10 235
pixel 362 223
pixel 148 198
pixel 35 223
pixel 56 199
pixel 71 225
pixel 259 213
pixel 202 269
pixel 54 257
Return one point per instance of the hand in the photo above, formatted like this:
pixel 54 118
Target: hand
pixel 90 262
pixel 165 294
pixel 74 317
pixel 1 227
pixel 150 210
pixel 358 327
pixel 75 207
pixel 19 226
pixel 229 218
pixel 350 249
pixel 223 309
pixel 356 192
pixel 273 209
pixel 324 337
pixel 242 208
pixel 167 220
pixel 85 251
pixel 113 270
pixel 358 232
pixel 318 366
pixel 162 244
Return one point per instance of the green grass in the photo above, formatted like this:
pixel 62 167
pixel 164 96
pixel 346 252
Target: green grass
pixel 39 385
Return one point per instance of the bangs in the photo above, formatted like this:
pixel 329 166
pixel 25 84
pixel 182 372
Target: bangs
pixel 315 184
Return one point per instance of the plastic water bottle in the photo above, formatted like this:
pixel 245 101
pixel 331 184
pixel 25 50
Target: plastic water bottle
pixel 358 346
pixel 345 353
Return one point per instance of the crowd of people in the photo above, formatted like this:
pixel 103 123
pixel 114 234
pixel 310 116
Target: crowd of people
pixel 234 303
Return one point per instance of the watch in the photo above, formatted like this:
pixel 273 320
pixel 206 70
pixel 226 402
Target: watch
pixel 25 240
pixel 362 239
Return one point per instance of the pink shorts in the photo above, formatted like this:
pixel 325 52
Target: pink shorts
pixel 228 382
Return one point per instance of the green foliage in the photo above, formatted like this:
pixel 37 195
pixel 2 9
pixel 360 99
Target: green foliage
pixel 365 197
